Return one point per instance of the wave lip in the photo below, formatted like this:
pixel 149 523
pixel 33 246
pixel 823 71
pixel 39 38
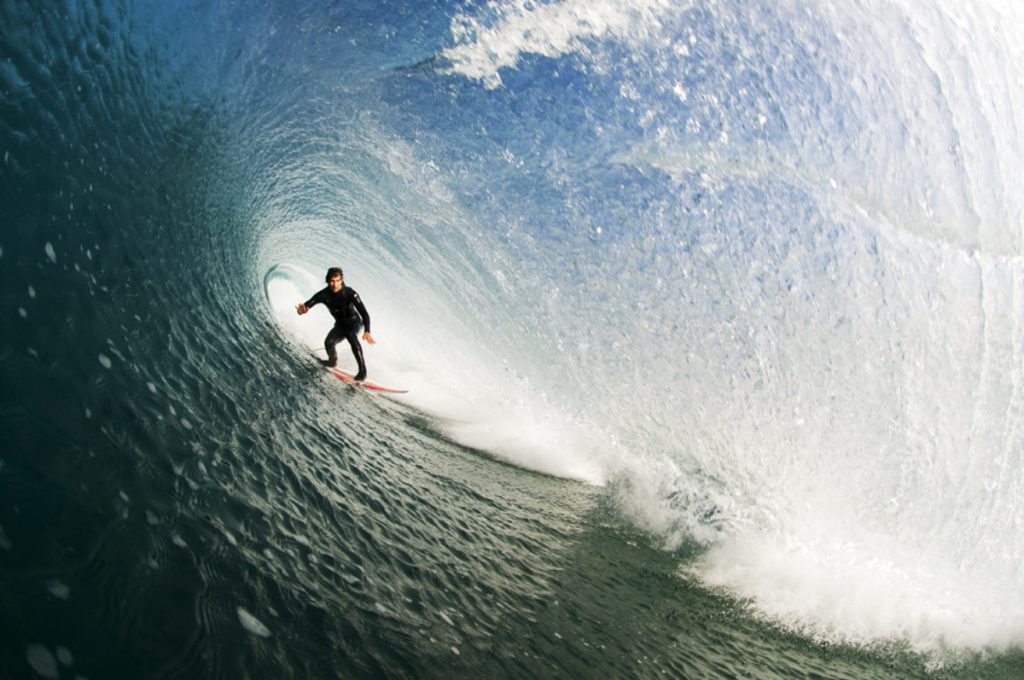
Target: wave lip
pixel 485 45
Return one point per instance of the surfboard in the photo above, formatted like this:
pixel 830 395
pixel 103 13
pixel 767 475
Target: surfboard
pixel 347 377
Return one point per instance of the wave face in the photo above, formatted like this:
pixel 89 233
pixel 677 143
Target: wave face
pixel 750 271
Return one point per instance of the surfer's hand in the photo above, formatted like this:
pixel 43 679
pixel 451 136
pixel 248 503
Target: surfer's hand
pixel 301 308
pixel 368 338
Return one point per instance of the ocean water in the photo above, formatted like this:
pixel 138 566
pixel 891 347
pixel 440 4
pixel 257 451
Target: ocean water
pixel 712 316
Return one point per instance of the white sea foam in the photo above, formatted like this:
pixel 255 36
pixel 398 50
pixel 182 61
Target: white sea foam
pixel 484 46
pixel 854 593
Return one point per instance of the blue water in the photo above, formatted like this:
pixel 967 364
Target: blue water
pixel 710 313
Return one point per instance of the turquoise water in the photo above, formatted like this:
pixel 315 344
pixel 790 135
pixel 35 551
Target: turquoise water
pixel 710 315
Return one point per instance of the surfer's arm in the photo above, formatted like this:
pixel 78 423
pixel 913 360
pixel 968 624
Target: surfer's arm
pixel 303 307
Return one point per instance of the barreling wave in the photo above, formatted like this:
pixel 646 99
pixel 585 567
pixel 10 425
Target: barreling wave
pixel 754 269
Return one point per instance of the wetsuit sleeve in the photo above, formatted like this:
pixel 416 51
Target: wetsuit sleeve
pixel 361 308
pixel 317 297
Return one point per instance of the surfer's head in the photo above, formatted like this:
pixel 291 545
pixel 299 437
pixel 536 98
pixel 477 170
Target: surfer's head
pixel 335 278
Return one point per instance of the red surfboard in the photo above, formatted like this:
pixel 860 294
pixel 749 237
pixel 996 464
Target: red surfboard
pixel 368 384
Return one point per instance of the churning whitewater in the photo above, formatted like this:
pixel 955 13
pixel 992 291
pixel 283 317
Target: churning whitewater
pixel 711 316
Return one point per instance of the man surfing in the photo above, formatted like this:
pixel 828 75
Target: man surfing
pixel 349 315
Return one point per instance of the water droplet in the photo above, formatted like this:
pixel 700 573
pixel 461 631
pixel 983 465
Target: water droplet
pixel 42 661
pixel 252 624
pixel 64 656
pixel 58 589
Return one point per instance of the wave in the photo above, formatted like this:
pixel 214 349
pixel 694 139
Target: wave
pixel 753 268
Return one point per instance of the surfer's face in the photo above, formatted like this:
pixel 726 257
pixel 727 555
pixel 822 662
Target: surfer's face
pixel 335 283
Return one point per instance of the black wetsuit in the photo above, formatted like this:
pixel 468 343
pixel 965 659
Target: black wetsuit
pixel 349 314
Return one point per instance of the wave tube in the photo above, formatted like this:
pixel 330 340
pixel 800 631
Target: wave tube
pixel 755 267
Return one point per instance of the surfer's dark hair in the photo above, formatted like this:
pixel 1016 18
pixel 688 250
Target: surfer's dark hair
pixel 331 272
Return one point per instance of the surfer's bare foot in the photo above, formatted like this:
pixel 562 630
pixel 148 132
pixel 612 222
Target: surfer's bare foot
pixel 329 363
pixel 360 377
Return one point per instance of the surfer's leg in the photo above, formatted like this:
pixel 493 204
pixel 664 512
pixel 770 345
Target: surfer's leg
pixel 330 344
pixel 357 350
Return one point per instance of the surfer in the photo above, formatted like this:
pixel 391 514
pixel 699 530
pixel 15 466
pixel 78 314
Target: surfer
pixel 349 314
